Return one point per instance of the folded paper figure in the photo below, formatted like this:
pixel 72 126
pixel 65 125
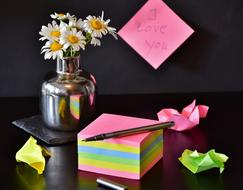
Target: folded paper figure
pixel 129 156
pixel 33 155
pixel 187 119
pixel 198 162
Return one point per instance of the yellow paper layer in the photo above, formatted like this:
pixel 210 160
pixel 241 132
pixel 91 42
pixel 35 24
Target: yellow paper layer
pixel 110 146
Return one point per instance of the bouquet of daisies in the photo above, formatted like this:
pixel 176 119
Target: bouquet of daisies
pixel 66 35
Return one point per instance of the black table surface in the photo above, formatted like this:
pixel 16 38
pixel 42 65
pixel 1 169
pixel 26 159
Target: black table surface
pixel 222 130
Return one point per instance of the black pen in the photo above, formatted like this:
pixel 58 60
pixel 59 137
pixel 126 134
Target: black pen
pixel 132 131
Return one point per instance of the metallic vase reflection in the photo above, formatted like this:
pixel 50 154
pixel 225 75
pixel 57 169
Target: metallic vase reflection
pixel 68 99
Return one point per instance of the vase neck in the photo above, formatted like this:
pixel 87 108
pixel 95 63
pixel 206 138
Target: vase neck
pixel 68 66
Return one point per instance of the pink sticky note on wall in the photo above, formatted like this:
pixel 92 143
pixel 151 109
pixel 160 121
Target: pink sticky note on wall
pixel 155 32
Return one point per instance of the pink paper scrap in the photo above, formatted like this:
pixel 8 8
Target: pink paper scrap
pixel 155 32
pixel 187 119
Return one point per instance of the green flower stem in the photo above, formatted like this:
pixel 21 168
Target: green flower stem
pixel 70 53
pixel 88 38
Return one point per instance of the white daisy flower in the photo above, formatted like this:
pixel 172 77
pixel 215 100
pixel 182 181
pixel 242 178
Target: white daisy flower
pixel 79 24
pixel 95 42
pixel 63 24
pixel 72 38
pixel 50 32
pixel 61 16
pixel 112 31
pixel 52 49
pixel 97 26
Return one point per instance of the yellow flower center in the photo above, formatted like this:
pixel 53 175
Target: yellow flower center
pixel 61 14
pixel 55 33
pixel 72 39
pixel 55 46
pixel 96 24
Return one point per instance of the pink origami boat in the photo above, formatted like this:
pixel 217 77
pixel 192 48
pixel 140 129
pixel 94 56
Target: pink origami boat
pixel 187 119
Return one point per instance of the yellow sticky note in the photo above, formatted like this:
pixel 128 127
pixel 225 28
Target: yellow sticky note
pixel 32 154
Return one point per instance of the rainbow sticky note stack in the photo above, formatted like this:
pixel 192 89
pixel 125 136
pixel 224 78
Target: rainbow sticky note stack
pixel 128 157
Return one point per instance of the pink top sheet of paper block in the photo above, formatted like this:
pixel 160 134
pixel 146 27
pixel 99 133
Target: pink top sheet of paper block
pixel 155 32
pixel 187 119
pixel 110 122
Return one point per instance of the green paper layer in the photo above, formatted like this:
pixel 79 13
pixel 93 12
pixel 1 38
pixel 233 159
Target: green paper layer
pixel 110 159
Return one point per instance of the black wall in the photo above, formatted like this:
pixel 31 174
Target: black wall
pixel 210 60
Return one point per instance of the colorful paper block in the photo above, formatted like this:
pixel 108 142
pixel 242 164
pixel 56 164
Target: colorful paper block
pixel 129 156
pixel 155 32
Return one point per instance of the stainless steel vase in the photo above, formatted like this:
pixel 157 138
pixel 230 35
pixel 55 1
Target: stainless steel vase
pixel 68 100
